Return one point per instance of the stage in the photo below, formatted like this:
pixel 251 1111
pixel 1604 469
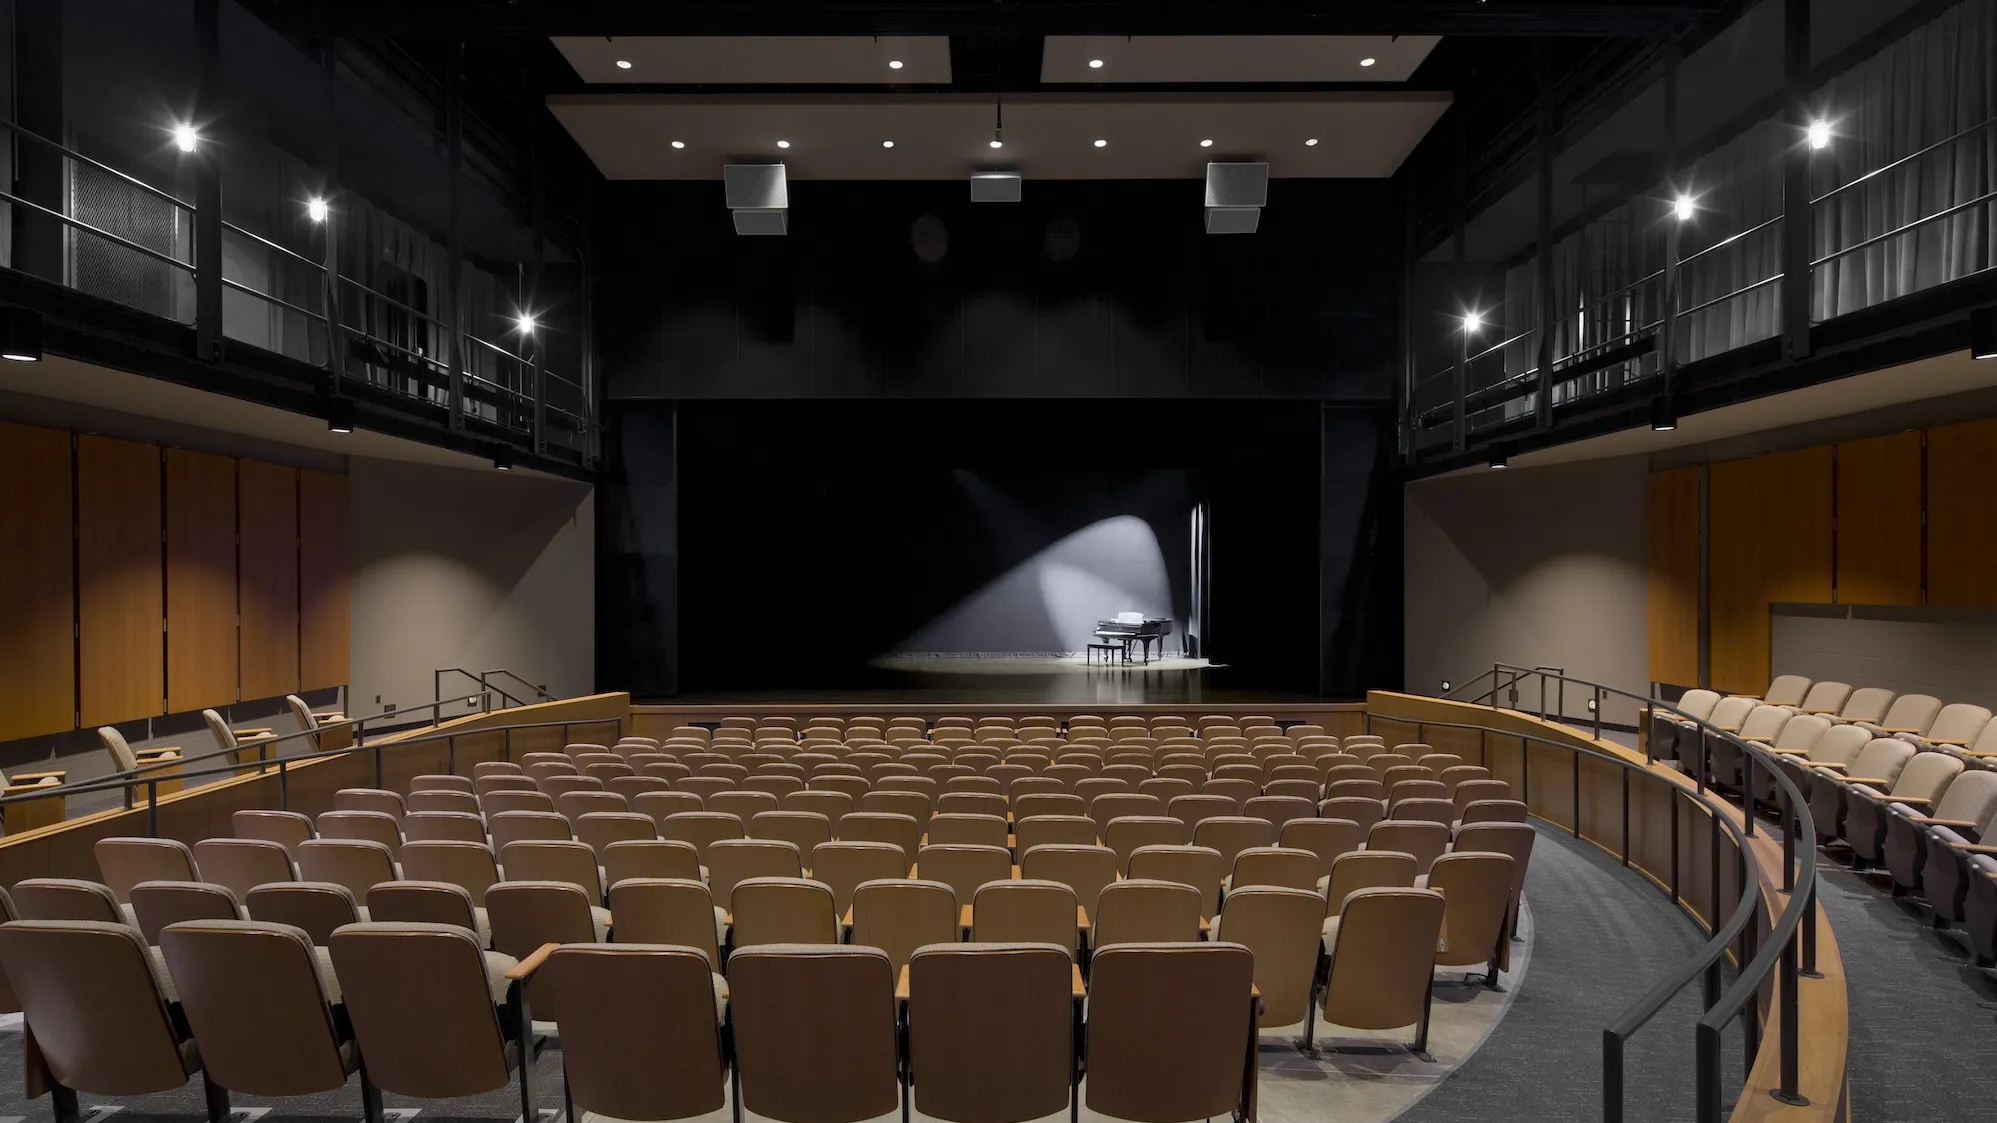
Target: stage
pixel 1065 680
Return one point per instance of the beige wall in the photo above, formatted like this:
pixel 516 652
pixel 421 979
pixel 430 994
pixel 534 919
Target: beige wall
pixel 1533 566
pixel 474 569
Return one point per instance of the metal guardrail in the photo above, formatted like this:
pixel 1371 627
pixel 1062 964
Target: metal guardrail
pixel 1790 946
pixel 489 689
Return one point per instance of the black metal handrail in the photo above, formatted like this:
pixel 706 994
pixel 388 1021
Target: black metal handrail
pixel 1790 945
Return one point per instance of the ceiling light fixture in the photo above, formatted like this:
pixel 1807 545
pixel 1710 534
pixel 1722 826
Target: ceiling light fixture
pixel 1473 322
pixel 524 323
pixel 340 415
pixel 783 144
pixel 1368 61
pixel 315 209
pixel 1683 208
pixel 1819 134
pixel 679 144
pixel 1664 413
pixel 1311 143
pixel 186 137
pixel 894 64
pixel 624 64
pixel 20 335
pixel 1102 143
pixel 1206 144
pixel 1498 457
pixel 502 460
pixel 1095 64
pixel 887 144
pixel 1982 333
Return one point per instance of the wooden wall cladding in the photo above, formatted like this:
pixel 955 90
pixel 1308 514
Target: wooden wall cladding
pixel 267 502
pixel 1879 520
pixel 200 580
pixel 1962 515
pixel 325 612
pixel 118 592
pixel 37 583
pixel 1676 548
pixel 1770 540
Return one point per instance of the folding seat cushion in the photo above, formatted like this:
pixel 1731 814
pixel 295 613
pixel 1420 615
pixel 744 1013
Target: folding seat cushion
pixel 1879 762
pixel 1964 807
pixel 1918 787
pixel 1171 1031
pixel 1956 725
pixel 1909 713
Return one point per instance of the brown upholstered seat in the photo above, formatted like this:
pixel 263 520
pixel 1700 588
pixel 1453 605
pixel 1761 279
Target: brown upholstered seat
pixel 842 866
pixel 735 860
pixel 802 829
pixel 1142 910
pixel 1026 911
pixel 429 902
pixel 991 1031
pixel 1282 927
pixel 441 826
pixel 370 799
pixel 1126 833
pixel 661 910
pixel 156 904
pixel 1171 1032
pixel 841 1000
pixel 441 782
pixel 1199 867
pixel 352 862
pixel 1052 830
pixel 63 898
pixel 1383 960
pixel 1231 834
pixel 526 914
pixel 125 862
pixel 1276 866
pixel 783 910
pixel 968 830
pixel 286 828
pixel 1476 888
pixel 902 914
pixel 641 1038
pixel 493 803
pixel 1325 838
pixel 650 858
pixel 315 907
pixel 964 868
pixel 1086 870
pixel 370 826
pixel 243 864
pixel 1425 839
pixel 876 826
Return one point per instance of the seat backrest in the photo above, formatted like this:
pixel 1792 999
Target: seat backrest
pixel 783 910
pixel 523 826
pixel 1882 758
pixel 879 826
pixel 969 802
pixel 1143 910
pixel 314 907
pixel 563 860
pixel 1764 723
pixel 649 858
pixel 991 1029
pixel 374 826
pixel 1085 870
pixel 1200 868
pixel 802 829
pixel 1926 775
pixel 661 910
pixel 1231 834
pixel 639 1039
pixel 462 803
pixel 839 998
pixel 1170 1031
pixel 1867 703
pixel 1362 810
pixel 598 830
pixel 422 902
pixel 370 799
pixel 97 1004
pixel 1368 869
pixel 1957 723
pixel 1425 839
pixel 242 864
pixel 1384 958
pixel 1493 811
pixel 1053 830
pixel 842 866
pixel 1027 911
pixel 123 759
pixel 156 904
pixel 964 868
pixel 967 830
pixel 442 782
pixel 225 737
pixel 1698 703
pixel 1511 839
pixel 286 828
pixel 1433 810
pixel 574 805
pixel 423 1008
pixel 658 805
pixel 1193 809
pixel 901 914
pixel 832 805
pixel 1787 690
pixel 1824 697
pixel 1730 712
pixel 126 861
pixel 1126 833
pixel 701 828
pixel 744 805
pixel 1476 888
pixel 1841 744
pixel 256 999
pixel 63 898
pixel 355 863
pixel 1911 713
pixel 526 914
pixel 467 865
pixel 1282 926
pixel 498 800
pixel 1802 731
pixel 1274 866
pixel 1470 791
pixel 1326 839
pixel 731 861
pixel 1280 809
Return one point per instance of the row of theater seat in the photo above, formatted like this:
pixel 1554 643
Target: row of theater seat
pixel 1906 783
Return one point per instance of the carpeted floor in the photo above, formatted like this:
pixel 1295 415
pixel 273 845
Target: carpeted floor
pixel 1605 936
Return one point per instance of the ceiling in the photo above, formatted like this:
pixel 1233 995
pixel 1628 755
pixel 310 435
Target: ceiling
pixel 696 60
pixel 1166 59
pixel 1047 136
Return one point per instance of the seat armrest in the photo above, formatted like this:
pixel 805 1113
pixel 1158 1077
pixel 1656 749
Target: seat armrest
pixel 1830 765
pixel 37 779
pixel 164 752
pixel 526 967
pixel 1897 729
pixel 1974 847
pixel 1911 799
pixel 1926 821
pixel 1790 752
pixel 1946 740
pixel 1869 781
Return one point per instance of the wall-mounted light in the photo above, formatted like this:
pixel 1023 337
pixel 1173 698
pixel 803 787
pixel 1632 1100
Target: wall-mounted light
pixel 315 209
pixel 1819 134
pixel 1095 64
pixel 1663 413
pixel 340 415
pixel 524 323
pixel 20 335
pixel 1473 322
pixel 1498 458
pixel 1368 61
pixel 679 144
pixel 1102 143
pixel 502 460
pixel 894 64
pixel 887 144
pixel 783 144
pixel 1683 208
pixel 1445 686
pixel 186 137
pixel 1983 333
pixel 624 64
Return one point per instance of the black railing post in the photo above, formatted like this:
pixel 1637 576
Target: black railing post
pixel 1787 1026
pixel 152 808
pixel 1746 785
pixel 1675 808
pixel 1788 843
pixel 1625 816
pixel 377 766
pixel 1577 793
pixel 1809 925
pixel 283 787
pixel 507 750
pixel 1708 1074
pixel 1612 1077
pixel 207 168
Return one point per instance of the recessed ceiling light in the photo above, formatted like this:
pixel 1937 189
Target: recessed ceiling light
pixel 1102 144
pixel 1206 144
pixel 1311 143
pixel 1368 61
pixel 1095 64
pixel 997 143
pixel 894 64
pixel 185 137
pixel 679 144
pixel 624 64
pixel 783 144
pixel 887 144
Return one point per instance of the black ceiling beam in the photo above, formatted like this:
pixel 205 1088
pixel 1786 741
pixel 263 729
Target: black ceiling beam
pixel 482 18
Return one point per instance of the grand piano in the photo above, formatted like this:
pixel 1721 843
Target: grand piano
pixel 1127 627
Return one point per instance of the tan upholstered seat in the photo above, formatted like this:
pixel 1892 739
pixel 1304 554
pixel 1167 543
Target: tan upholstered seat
pixel 259 998
pixel 243 864
pixel 1086 870
pixel 802 829
pixel 1383 960
pixel 526 914
pixel 841 999
pixel 1275 866
pixel 658 910
pixel 701 828
pixel 1909 713
pixel 286 828
pixel 650 858
pixel 1199 867
pixel 964 868
pixel 501 800
pixel 126 861
pixel 732 861
pixel 991 1030
pixel 1326 839
pixel 1142 910
pixel 97 998
pixel 1919 784
pixel 1363 810
pixel 1125 833
pixel 156 904
pixel 370 799
pixel 315 907
pixel 1364 869
pixel 641 1038
pixel 423 1000
pixel 442 782
pixel 1963 807
pixel 1476 888
pixel 899 915
pixel 63 898
pixel 659 805
pixel 429 902
pixel 1026 911
pixel 354 863
pixel 1171 1032
pixel 1281 926
pixel 1425 839
pixel 783 910
pixel 468 865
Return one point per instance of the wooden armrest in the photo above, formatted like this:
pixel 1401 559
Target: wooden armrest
pixel 1974 847
pixel 901 984
pixel 259 732
pixel 1789 752
pixel 1082 917
pixel 1076 986
pixel 1870 781
pixel 162 752
pixel 1896 729
pixel 531 964
pixel 26 789
pixel 1832 765
pixel 847 920
pixel 1980 752
pixel 1911 800
pixel 1757 740
pixel 36 779
pixel 1946 740
pixel 1925 821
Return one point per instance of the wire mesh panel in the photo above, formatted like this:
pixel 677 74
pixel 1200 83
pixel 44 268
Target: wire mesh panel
pixel 102 267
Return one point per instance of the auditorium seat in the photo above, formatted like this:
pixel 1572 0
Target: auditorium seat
pixel 964 868
pixel 843 866
pixel 1277 866
pixel 526 914
pixel 901 914
pixel 1364 869
pixel 286 828
pixel 1146 910
pixel 1956 725
pixel 1470 791
pixel 1167 788
pixel 833 805
pixel 317 908
pixel 1425 839
pixel 842 997
pixel 1867 704
pixel 1964 809
pixel 1492 811
pixel 1199 868
pixel 354 863
pixel 459 802
pixel 554 860
pixel 239 751
pixel 972 803
pixel 731 861
pixel 617 994
pixel 1171 1032
pixel 468 865
pixel 1280 809
pixel 98 999
pixel 371 826
pixel 1762 725
pixel 697 827
pixel 1326 839
pixel 125 861
pixel 243 864
pixel 1836 745
pixel 1728 716
pixel 508 827
pixel 1231 834
pixel 1909 713
pixel 658 805
pixel 1280 927
pixel 802 829
pixel 64 898
pixel 1476 888
pixel 970 830
pixel 877 826
pixel 782 910
pixel 1126 833
pixel 483 786
pixel 1918 786
pixel 156 904
pixel 124 758
pixel 650 858
pixel 1879 762
pixel 429 902
pixel 599 829
pixel 1028 911
pixel 1383 953
pixel 1363 810
pixel 1085 870
pixel 574 805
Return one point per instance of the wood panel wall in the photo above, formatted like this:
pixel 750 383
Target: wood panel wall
pixel 1676 547
pixel 1879 520
pixel 325 611
pixel 267 506
pixel 200 580
pixel 1770 540
pixel 37 583
pixel 1962 514
pixel 119 596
